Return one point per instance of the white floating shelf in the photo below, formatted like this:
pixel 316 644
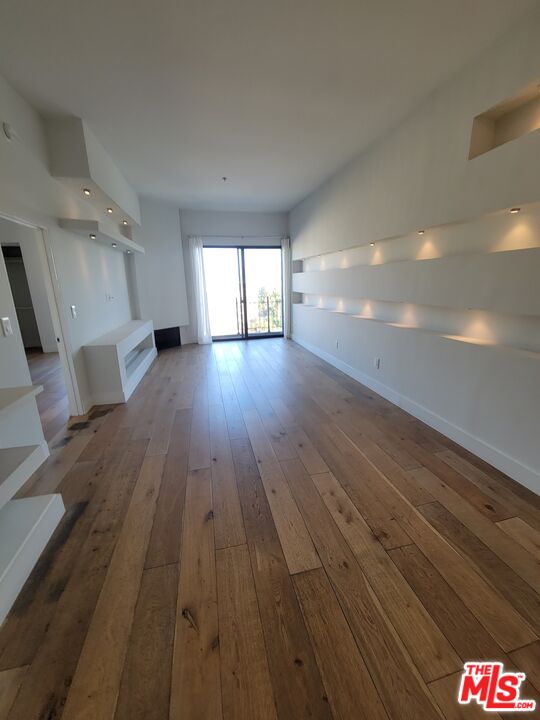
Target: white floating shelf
pixel 16 465
pixel 455 338
pixel 10 397
pixel 103 234
pixel 26 526
pixel 497 282
pixel 81 162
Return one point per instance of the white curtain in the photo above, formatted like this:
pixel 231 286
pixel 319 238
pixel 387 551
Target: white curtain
pixel 286 271
pixel 204 335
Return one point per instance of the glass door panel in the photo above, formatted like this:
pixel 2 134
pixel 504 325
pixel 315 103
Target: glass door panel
pixel 244 291
pixel 262 272
pixel 223 289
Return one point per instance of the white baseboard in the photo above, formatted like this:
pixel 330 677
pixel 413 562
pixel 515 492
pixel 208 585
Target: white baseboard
pixel 523 474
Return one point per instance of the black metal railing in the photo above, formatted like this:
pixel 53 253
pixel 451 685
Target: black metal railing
pixel 264 316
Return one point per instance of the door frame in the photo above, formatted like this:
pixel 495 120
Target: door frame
pixel 59 321
pixel 242 289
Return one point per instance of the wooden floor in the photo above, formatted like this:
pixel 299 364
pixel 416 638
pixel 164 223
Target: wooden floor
pixel 255 535
pixel 46 370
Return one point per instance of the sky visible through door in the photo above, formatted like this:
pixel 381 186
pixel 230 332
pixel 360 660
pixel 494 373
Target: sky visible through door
pixel 228 271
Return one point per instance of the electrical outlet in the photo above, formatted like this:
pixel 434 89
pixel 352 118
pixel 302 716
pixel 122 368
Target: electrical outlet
pixel 377 363
pixel 6 326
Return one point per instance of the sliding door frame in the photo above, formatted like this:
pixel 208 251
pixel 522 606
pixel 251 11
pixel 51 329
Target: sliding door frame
pixel 242 290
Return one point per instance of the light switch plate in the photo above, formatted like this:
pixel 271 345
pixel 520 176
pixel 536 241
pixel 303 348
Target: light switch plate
pixel 6 326
pixel 73 312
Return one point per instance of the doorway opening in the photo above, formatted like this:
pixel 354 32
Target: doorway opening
pixel 24 254
pixel 244 287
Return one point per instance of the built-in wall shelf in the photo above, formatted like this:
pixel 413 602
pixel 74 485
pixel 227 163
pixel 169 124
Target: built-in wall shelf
pixel 480 342
pixel 13 396
pixel 506 121
pixel 26 526
pixel 98 231
pixel 16 465
pixel 117 361
pixel 495 282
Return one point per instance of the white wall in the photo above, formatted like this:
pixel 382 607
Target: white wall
pixel 28 192
pixel 239 224
pixel 93 278
pixel 472 275
pixel 225 227
pixel 159 272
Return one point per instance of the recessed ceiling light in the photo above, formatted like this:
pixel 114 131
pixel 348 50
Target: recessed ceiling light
pixel 514 211
pixel 124 222
pixel 372 244
pixel 87 191
pixel 92 236
pixel 113 244
pixel 421 232
pixel 128 252
pixel 110 211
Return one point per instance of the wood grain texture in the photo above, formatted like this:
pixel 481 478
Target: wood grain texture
pixel 164 545
pixel 510 585
pixel 48 680
pixel 199 444
pixel 431 652
pixel 522 533
pixel 403 691
pixel 254 534
pixel 350 689
pixel 145 686
pixel 349 467
pixel 503 546
pixel 295 540
pixel 228 523
pixel 196 681
pixel 10 682
pixel 528 659
pixel 491 484
pixel 297 684
pixel 53 405
pixel 467 635
pixel 96 683
pixel 245 678
pixel 482 598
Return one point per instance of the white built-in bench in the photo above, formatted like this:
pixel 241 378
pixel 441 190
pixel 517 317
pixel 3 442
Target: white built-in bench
pixel 117 361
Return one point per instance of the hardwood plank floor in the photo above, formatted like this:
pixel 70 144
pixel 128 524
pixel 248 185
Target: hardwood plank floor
pixel 254 534
pixel 53 406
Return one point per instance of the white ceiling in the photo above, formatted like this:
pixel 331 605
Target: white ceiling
pixel 274 94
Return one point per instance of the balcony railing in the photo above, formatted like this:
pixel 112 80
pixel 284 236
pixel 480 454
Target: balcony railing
pixel 263 316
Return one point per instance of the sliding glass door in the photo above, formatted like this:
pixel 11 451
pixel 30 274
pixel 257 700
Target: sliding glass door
pixel 244 290
pixel 262 267
pixel 224 291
